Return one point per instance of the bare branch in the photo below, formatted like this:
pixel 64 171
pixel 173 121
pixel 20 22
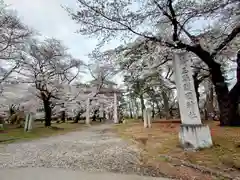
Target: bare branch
pixel 227 40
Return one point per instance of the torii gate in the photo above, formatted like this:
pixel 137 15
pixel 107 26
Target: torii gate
pixel 104 91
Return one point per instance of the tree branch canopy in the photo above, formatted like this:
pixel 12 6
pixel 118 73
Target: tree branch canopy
pixel 106 20
pixel 235 32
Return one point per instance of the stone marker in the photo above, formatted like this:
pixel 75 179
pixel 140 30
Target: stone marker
pixel 88 111
pixel 28 122
pixel 1 127
pixel 147 119
pixel 193 134
pixel 115 112
pixel 31 122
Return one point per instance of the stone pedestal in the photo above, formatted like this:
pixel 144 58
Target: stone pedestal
pixel 195 136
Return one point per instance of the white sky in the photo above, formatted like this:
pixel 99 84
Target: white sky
pixel 51 20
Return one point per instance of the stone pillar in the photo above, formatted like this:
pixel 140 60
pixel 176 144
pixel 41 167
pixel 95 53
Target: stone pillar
pixel 193 134
pixel 115 112
pixel 88 111
pixel 145 118
pixel 149 117
pixel 63 113
pixel 28 122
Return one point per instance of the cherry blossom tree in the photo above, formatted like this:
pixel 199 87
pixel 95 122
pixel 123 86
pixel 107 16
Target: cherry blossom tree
pixel 13 35
pixel 49 68
pixel 18 99
pixel 102 70
pixel 146 53
pixel 147 73
pixel 170 23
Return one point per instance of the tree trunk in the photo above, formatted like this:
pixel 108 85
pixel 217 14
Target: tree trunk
pixel 77 117
pixel 206 115
pixel 153 109
pixel 178 111
pixel 196 86
pixel 222 92
pixel 130 109
pixel 171 112
pixel 142 104
pixel 63 116
pixel 227 101
pixel 95 115
pixel 209 100
pixel 11 110
pixel 233 98
pixel 226 106
pixel 136 109
pixel 159 109
pixel 166 105
pixel 48 112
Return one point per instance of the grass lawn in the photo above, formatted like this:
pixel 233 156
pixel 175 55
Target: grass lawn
pixel 160 144
pixel 13 134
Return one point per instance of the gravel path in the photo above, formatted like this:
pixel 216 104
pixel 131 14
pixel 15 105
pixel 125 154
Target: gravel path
pixel 93 150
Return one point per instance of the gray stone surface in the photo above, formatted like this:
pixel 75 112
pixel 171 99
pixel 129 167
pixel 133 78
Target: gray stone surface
pixel 60 174
pixel 95 149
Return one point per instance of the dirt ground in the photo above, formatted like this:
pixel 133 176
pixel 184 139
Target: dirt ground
pixel 161 149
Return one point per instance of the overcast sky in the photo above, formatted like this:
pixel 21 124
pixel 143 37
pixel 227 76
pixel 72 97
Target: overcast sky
pixel 51 20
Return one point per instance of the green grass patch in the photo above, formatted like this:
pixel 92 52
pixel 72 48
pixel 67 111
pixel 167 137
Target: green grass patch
pixel 12 133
